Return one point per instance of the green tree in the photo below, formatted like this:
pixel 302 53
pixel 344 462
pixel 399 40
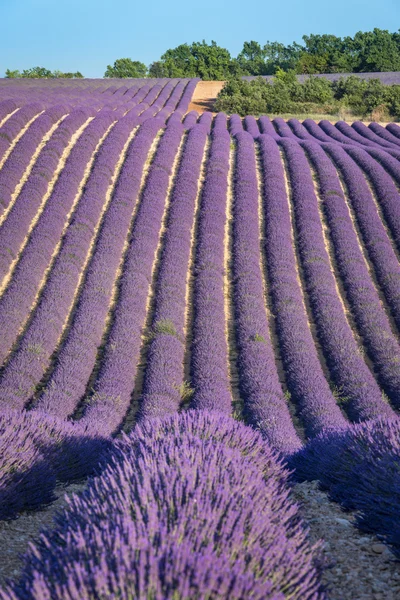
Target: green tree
pixel 126 67
pixel 13 74
pixel 156 69
pixel 207 61
pixel 376 50
pixel 36 73
pixel 251 59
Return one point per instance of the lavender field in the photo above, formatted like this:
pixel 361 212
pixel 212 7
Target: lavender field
pixel 196 312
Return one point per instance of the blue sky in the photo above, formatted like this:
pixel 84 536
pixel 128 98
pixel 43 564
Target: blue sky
pixel 86 35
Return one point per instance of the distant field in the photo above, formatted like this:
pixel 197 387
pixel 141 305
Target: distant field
pixel 154 260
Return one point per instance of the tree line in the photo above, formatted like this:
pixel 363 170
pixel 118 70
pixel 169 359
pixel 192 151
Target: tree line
pixel 371 51
pixel 41 73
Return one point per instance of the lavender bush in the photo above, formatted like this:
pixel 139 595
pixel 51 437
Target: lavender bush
pixel 219 524
pixel 360 468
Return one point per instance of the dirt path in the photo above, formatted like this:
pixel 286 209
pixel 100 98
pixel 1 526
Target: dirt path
pixel 205 95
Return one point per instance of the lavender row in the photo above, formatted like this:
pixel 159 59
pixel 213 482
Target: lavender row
pixel 235 124
pixel 16 303
pixel 305 378
pixel 218 524
pixel 266 126
pixel 375 238
pixel 187 95
pixel 19 159
pixel 115 383
pixel 264 402
pixel 7 107
pixel 386 191
pixel 370 134
pixel 16 226
pixel 361 394
pixel 57 302
pixel 384 134
pixel 360 468
pixel 76 359
pixel 37 450
pixel 14 125
pixel 342 132
pixel 164 375
pixel 371 319
pixel 250 125
pixel 283 129
pixel 390 164
pixel 209 359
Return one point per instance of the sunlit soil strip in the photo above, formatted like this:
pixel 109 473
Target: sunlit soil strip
pixel 82 274
pixel 17 138
pixel 55 253
pixel 115 293
pixel 150 302
pixel 230 333
pixel 268 303
pixel 188 328
pixel 300 273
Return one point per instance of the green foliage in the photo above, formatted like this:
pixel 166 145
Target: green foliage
pixel 259 338
pixel 162 327
pixel 41 73
pixel 185 391
pixel 207 61
pixel 284 94
pixel 126 67
pixel 377 50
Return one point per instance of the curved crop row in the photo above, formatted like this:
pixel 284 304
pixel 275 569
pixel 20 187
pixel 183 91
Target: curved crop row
pixel 17 300
pixel 371 135
pixel 115 383
pixel 264 402
pixel 384 133
pixel 7 107
pixel 386 191
pixel 351 374
pixel 375 237
pixel 77 356
pixel 163 380
pixel 12 129
pixel 209 359
pixel 19 159
pixel 16 225
pixel 306 380
pixel 58 298
pixel 371 319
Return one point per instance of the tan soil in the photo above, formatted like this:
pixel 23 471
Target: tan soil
pixel 358 566
pixel 205 95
